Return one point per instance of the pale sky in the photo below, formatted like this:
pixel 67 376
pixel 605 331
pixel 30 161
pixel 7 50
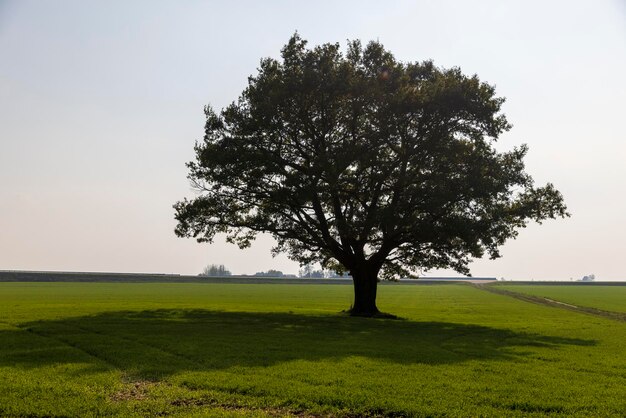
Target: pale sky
pixel 101 103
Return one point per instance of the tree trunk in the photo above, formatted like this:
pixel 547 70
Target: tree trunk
pixel 365 283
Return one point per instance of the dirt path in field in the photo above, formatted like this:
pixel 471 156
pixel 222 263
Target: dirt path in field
pixel 618 316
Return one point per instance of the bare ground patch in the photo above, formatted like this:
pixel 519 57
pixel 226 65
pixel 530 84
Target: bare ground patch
pixel 136 391
pixel 139 390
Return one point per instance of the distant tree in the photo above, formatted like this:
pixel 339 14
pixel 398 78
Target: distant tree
pixel 331 274
pixel 270 273
pixel 306 271
pixel 215 270
pixel 364 164
pixel 317 274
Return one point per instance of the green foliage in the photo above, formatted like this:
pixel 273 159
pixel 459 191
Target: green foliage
pixel 364 164
pixel 261 350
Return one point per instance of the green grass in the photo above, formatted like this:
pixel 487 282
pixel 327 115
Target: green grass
pixel 86 349
pixel 608 298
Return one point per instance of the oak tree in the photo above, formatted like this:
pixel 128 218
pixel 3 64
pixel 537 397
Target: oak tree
pixel 366 164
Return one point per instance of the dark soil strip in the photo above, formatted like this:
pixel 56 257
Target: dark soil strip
pixel 618 316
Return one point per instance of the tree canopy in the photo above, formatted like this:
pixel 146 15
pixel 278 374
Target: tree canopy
pixel 365 164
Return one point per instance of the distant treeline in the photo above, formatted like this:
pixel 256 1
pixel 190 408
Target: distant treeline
pixel 307 272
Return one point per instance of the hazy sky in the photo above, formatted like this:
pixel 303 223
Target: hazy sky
pixel 101 103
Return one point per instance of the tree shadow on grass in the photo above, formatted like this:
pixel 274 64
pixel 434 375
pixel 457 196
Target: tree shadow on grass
pixel 158 343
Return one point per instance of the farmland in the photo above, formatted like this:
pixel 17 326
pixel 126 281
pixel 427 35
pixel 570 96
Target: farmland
pixel 123 349
pixel 608 298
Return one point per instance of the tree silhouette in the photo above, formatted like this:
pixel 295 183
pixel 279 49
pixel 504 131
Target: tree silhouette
pixel 364 164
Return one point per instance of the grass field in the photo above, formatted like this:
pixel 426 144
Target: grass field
pixel 86 349
pixel 608 298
